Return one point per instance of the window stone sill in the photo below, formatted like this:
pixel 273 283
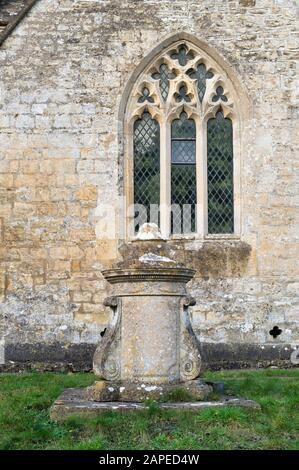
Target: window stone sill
pixel 213 258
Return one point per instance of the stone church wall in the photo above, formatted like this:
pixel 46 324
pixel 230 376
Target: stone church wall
pixel 63 72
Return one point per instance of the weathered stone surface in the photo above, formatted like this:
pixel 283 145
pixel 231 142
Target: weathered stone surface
pixel 247 3
pixel 150 338
pixel 11 13
pixel 72 402
pixel 63 72
pixel 139 392
pixel 149 232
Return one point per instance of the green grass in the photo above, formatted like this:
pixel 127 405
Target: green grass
pixel 25 400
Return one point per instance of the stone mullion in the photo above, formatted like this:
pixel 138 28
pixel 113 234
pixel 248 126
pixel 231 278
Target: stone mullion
pixel 237 175
pixel 165 177
pixel 201 178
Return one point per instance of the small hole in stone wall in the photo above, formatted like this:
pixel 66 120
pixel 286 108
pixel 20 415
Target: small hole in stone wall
pixel 275 332
pixel 103 332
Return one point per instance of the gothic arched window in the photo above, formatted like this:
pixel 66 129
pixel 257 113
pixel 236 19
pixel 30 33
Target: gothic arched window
pixel 181 118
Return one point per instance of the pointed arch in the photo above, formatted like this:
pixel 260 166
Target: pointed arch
pixel 183 74
pixel 210 51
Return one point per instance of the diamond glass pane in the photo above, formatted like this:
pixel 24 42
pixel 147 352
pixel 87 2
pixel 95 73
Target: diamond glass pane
pixel 183 151
pixel 201 75
pixel 183 175
pixel 164 81
pixel 219 95
pixel 182 95
pixel 220 175
pixel 164 75
pixel 146 164
pixel 183 128
pixel 201 81
pixel 182 55
pixel 183 199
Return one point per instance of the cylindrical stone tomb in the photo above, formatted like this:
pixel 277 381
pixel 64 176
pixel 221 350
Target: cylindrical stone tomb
pixel 150 339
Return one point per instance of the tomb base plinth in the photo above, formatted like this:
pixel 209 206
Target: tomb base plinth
pixel 73 402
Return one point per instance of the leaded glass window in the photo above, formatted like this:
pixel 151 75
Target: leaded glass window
pixel 179 118
pixel 146 167
pixel 182 55
pixel 183 175
pixel 201 76
pixel 220 175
